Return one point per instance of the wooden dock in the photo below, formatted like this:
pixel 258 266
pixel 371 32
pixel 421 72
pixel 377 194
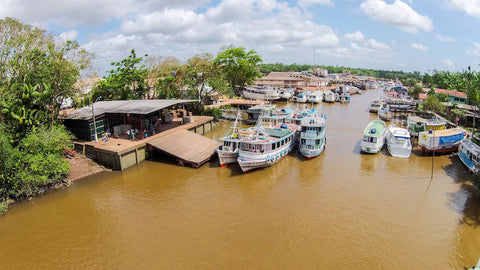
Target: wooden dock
pixel 122 153
pixel 187 147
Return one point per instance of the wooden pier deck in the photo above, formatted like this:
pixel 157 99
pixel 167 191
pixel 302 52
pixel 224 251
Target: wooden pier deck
pixel 187 147
pixel 121 153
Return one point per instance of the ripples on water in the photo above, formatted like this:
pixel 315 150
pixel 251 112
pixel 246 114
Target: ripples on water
pixel 341 210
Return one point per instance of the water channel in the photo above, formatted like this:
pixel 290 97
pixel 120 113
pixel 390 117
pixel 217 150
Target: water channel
pixel 341 210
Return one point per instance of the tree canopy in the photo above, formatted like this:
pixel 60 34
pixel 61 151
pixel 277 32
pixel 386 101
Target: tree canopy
pixel 239 67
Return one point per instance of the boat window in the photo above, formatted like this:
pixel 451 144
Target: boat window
pixel 273 146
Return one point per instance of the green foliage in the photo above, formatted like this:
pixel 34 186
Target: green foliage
pixel 126 81
pixel 238 66
pixel 3 207
pixel 35 163
pixel 432 103
pixel 415 91
pixel 215 112
pixel 442 97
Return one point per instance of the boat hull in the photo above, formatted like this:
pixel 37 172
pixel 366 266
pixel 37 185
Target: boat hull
pixel 311 153
pixel 226 157
pixel 250 162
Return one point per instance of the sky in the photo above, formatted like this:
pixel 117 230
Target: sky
pixel 405 35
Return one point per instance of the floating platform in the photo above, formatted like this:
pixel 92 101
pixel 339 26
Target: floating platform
pixel 187 147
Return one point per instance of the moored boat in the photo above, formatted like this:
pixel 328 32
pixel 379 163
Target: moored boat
pixel 312 135
pixel 285 94
pixel 440 141
pixel 329 96
pixel 469 154
pixel 373 137
pixel 300 98
pixel 267 146
pixel 418 124
pixel 315 97
pixel 227 151
pixel 262 93
pixel 398 142
pixel 384 113
pixel 375 105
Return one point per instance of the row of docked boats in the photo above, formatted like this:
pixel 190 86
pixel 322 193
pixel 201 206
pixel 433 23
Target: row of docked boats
pixel 272 138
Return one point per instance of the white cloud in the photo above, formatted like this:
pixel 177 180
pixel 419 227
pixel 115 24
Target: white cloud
pixel 448 63
pixel 444 38
pixel 419 47
pixel 471 7
pixel 69 35
pixel 356 36
pixel 307 3
pixel 398 14
pixel 474 49
pixel 375 45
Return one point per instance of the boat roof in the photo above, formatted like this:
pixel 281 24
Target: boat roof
pixel 443 132
pixel 399 132
pixel 311 121
pixel 472 147
pixel 430 122
pixel 374 128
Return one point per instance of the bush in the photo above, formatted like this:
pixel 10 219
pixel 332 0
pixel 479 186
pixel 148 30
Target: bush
pixel 3 207
pixel 215 112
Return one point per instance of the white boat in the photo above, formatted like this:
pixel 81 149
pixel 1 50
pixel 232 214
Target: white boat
pixel 373 137
pixel 375 105
pixel 285 94
pixel 476 267
pixel 300 98
pixel 398 142
pixel 315 97
pixel 312 135
pixel 267 146
pixel 344 97
pixel 440 141
pixel 384 113
pixel 329 96
pixel 262 93
pixel 227 151
pixel 469 154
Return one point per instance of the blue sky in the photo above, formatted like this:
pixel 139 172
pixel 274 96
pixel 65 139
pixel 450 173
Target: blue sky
pixel 403 35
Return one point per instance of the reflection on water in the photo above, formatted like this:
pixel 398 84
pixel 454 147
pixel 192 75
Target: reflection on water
pixel 341 210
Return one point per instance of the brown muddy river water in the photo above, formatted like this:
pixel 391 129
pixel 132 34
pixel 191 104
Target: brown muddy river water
pixel 341 210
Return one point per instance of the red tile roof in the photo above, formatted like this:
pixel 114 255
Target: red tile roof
pixel 422 96
pixel 450 92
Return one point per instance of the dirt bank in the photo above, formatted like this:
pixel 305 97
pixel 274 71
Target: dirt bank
pixel 81 166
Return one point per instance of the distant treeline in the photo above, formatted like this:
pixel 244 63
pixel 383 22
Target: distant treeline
pixel 385 74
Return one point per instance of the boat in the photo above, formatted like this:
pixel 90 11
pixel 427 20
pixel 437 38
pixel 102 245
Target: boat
pixel 375 105
pixel 312 136
pixel 344 97
pixel 329 96
pixel 418 124
pixel 285 94
pixel 262 93
pixel 267 146
pixel 373 137
pixel 300 97
pixel 398 142
pixel 315 97
pixel 440 141
pixel 227 151
pixel 469 154
pixel 276 117
pixel 256 111
pixel 384 113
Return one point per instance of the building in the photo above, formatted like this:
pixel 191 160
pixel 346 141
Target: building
pixel 284 80
pixel 454 96
pixel 116 117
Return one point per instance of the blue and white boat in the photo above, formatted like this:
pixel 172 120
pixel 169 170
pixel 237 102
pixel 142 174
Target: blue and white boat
pixel 267 146
pixel 312 135
pixel 469 154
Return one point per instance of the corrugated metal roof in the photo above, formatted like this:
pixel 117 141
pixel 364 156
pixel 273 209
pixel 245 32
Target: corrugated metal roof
pixel 142 107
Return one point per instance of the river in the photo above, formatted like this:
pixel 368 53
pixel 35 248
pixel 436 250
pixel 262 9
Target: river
pixel 341 210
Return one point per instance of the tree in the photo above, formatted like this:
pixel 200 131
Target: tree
pixel 415 91
pixel 126 81
pixel 239 67
pixel 432 103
